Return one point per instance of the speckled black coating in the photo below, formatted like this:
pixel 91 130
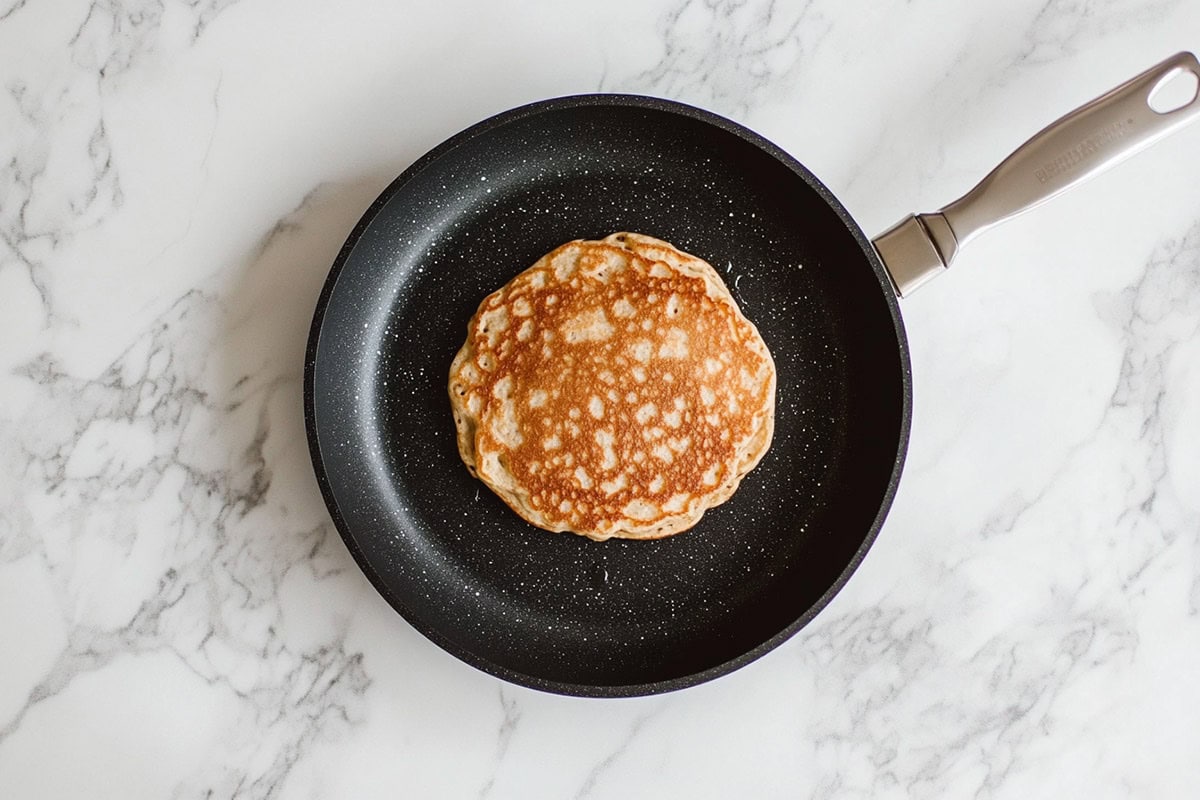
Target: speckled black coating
pixel 556 611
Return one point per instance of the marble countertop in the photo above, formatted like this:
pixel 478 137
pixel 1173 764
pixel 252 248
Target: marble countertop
pixel 178 617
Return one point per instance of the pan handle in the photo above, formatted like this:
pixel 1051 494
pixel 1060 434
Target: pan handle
pixel 1084 143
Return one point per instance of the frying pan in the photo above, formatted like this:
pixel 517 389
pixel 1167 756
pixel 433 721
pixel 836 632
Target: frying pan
pixel 559 612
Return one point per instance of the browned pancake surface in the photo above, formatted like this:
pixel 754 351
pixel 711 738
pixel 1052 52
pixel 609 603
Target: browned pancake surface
pixel 613 389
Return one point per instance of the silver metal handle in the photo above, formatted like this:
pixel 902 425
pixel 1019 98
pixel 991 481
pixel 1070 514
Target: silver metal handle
pixel 1084 143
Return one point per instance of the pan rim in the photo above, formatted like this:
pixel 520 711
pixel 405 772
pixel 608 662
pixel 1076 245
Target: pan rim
pixel 432 632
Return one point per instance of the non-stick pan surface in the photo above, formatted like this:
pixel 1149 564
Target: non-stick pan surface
pixel 556 611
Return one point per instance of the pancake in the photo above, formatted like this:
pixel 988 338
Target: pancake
pixel 613 389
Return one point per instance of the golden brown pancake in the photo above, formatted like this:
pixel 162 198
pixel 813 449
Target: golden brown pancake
pixel 614 388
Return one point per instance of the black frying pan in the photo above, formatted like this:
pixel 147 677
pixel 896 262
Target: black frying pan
pixel 555 611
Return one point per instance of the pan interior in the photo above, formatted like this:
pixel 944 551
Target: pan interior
pixel 558 611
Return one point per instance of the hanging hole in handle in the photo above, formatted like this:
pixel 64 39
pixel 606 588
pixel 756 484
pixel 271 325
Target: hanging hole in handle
pixel 1175 90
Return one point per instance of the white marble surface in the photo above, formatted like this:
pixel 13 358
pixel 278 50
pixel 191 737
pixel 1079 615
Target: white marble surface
pixel 178 617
